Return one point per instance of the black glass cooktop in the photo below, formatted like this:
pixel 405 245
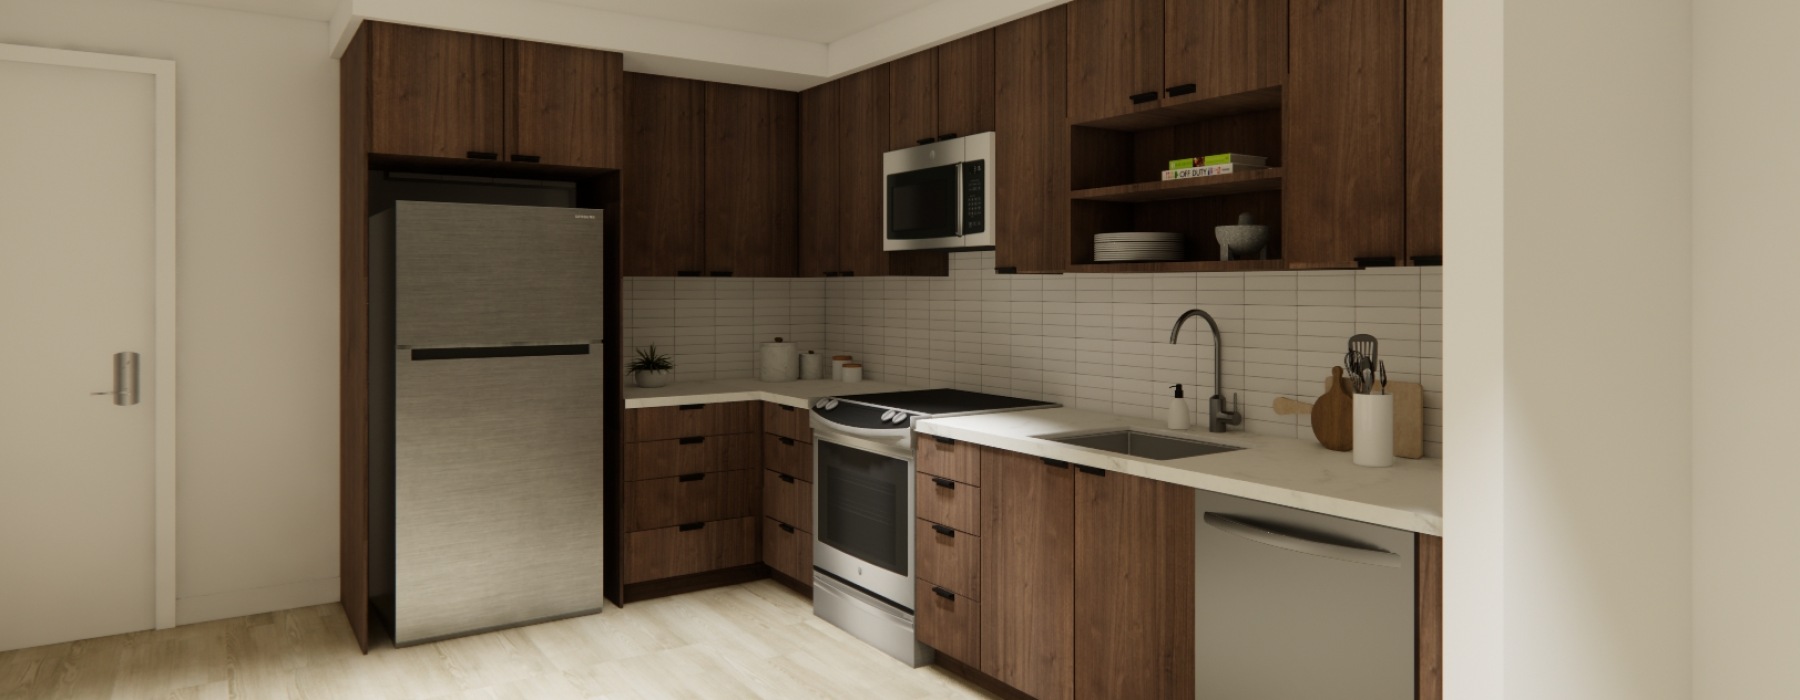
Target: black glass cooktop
pixel 943 401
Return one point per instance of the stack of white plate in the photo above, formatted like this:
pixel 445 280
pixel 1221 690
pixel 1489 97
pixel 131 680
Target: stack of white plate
pixel 1138 246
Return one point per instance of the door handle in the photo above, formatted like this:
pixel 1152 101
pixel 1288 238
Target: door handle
pixel 1294 542
pixel 1143 97
pixel 125 380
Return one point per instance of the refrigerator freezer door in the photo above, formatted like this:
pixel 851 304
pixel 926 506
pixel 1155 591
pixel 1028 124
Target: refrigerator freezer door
pixel 477 275
pixel 498 516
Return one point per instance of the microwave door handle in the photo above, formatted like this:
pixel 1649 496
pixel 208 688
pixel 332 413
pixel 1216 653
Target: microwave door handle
pixel 961 205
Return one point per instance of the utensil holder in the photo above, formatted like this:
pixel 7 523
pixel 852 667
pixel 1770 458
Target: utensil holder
pixel 1373 418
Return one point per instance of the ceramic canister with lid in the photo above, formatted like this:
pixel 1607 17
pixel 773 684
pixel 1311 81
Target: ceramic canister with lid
pixel 837 367
pixel 780 361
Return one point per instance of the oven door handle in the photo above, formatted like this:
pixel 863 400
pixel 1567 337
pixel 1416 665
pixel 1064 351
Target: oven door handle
pixel 889 446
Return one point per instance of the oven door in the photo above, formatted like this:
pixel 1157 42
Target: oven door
pixel 863 515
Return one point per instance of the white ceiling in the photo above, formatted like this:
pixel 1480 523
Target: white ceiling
pixel 299 9
pixel 819 21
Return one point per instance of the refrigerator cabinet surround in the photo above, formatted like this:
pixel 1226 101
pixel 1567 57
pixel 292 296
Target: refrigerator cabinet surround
pixel 1291 604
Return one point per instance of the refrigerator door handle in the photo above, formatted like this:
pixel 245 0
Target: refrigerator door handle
pixel 476 353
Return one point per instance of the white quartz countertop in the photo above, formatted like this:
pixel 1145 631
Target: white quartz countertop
pixel 799 394
pixel 1284 471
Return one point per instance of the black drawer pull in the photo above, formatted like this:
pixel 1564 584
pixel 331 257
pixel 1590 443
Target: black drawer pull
pixel 944 440
pixel 1059 464
pixel 1008 270
pixel 947 137
pixel 516 158
pixel 1377 261
pixel 720 273
pixel 691 406
pixel 690 527
pixel 943 593
pixel 943 482
pixel 1428 260
pixel 1183 89
pixel 927 140
pixel 696 476
pixel 943 530
pixel 1143 97
pixel 786 479
pixel 1096 471
pixel 484 155
pixel 687 273
pixel 847 273
pixel 786 441
pixel 785 527
pixel 786 407
pixel 691 440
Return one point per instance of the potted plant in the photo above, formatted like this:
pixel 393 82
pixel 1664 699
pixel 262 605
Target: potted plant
pixel 651 368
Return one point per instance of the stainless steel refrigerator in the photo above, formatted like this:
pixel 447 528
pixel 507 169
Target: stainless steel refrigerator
pixel 487 385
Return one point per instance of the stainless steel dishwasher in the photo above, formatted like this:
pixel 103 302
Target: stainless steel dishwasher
pixel 1293 605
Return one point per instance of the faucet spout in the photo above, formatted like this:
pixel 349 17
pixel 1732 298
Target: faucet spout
pixel 1218 416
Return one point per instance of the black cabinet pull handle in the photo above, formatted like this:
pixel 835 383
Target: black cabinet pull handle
pixel 786 441
pixel 926 141
pixel 944 440
pixel 691 406
pixel 847 273
pixel 1059 464
pixel 1376 261
pixel 786 407
pixel 696 476
pixel 516 158
pixel 1008 270
pixel 942 593
pixel 787 479
pixel 689 527
pixel 947 137
pixel 1428 260
pixel 484 155
pixel 944 483
pixel 687 273
pixel 1183 89
pixel 1096 471
pixel 1143 97
pixel 942 530
pixel 785 527
pixel 691 440
pixel 720 273
pixel 831 274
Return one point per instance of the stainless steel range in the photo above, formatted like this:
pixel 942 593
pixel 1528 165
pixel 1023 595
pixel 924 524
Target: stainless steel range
pixel 864 474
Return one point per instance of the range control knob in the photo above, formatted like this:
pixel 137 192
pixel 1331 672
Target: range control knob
pixel 887 416
pixel 821 403
pixel 899 417
pixel 831 404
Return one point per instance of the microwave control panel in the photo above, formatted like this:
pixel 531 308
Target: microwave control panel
pixel 974 177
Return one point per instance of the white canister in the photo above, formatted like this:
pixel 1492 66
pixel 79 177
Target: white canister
pixel 1373 418
pixel 837 367
pixel 852 373
pixel 780 361
pixel 812 365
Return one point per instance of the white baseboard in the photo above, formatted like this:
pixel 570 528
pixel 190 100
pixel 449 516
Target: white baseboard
pixel 287 596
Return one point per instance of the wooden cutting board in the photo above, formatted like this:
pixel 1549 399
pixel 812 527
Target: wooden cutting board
pixel 1331 415
pixel 1409 419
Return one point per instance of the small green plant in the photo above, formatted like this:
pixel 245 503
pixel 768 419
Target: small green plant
pixel 649 360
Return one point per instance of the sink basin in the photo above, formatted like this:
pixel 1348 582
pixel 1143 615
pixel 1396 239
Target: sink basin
pixel 1141 444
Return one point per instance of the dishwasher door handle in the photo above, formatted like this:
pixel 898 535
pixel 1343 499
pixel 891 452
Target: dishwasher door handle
pixel 1303 545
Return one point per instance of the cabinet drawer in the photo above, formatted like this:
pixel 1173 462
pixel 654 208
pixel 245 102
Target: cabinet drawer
pixel 948 623
pixel 787 421
pixel 787 549
pixel 788 456
pixel 689 549
pixel 952 460
pixel 700 453
pixel 950 559
pixel 695 498
pixel 670 422
pixel 947 502
pixel 787 499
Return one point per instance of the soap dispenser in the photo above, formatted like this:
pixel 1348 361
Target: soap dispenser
pixel 1178 411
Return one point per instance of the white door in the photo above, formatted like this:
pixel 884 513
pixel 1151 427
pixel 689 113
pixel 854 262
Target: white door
pixel 77 242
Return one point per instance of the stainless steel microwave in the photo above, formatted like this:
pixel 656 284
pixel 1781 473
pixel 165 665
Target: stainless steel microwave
pixel 940 195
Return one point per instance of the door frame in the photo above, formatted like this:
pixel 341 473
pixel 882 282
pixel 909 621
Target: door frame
pixel 163 370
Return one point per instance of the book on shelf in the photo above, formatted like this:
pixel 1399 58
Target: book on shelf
pixel 1209 171
pixel 1234 159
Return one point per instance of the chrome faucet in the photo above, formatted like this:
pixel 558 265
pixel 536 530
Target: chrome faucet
pixel 1218 418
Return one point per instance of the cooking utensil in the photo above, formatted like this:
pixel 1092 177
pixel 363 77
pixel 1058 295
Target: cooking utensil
pixel 1382 367
pixel 1367 348
pixel 1331 415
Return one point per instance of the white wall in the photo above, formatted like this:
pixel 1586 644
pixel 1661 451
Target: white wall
pixel 257 150
pixel 1746 531
pixel 1569 536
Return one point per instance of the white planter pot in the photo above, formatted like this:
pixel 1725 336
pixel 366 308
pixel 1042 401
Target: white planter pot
pixel 652 380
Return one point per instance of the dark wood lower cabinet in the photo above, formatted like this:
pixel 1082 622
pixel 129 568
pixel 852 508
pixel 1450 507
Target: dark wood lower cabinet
pixel 692 498
pixel 1028 575
pixel 1134 586
pixel 948 621
pixel 1430 618
pixel 686 549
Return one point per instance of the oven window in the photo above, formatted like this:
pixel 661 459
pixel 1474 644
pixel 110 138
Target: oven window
pixel 863 510
pixel 923 203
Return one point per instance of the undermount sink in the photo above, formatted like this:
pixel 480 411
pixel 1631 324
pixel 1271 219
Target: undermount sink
pixel 1142 444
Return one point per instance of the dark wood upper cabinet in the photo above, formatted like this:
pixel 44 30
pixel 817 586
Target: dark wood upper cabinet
pixel 436 93
pixel 568 106
pixel 1424 128
pixel 665 156
pixel 817 252
pixel 863 101
pixel 1115 57
pixel 1134 587
pixel 965 85
pixel 1030 88
pixel 913 95
pixel 1222 47
pixel 750 203
pixel 1028 575
pixel 1344 145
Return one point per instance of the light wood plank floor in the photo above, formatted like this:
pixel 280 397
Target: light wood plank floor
pixel 755 640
